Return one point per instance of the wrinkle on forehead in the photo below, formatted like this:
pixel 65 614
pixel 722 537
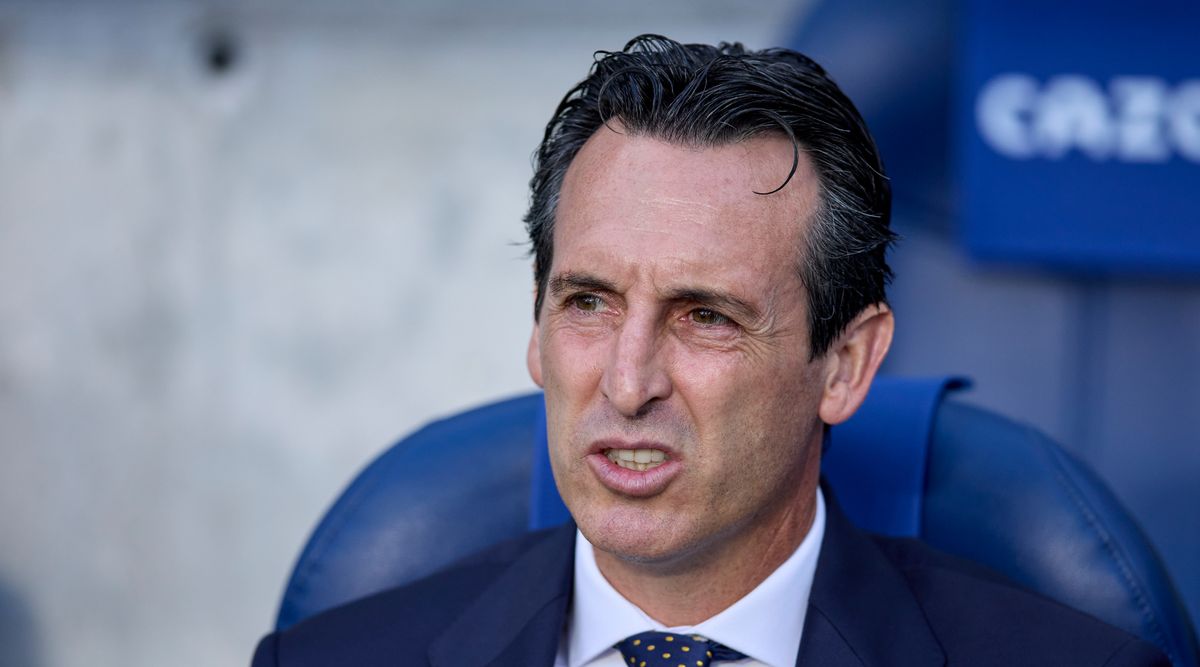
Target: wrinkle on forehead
pixel 696 220
pixel 664 200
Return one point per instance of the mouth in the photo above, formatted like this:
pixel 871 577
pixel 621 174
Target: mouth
pixel 634 469
pixel 640 460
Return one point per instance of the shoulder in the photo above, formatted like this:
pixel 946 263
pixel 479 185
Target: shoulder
pixel 397 623
pixel 976 613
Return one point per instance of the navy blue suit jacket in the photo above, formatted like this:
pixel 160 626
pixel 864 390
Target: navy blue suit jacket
pixel 875 601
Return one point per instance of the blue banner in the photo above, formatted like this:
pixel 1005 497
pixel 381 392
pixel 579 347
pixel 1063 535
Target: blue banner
pixel 1078 134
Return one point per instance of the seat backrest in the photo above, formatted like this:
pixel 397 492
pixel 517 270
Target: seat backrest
pixel 1004 495
pixel 909 463
pixel 454 487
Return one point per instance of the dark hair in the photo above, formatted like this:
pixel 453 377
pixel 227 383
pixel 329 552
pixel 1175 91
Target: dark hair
pixel 701 95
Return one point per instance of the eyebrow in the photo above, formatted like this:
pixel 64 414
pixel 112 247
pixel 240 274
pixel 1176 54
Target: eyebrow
pixel 571 282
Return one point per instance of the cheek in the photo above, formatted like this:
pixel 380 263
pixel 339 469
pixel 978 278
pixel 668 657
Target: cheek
pixel 760 415
pixel 570 378
pixel 740 384
pixel 568 365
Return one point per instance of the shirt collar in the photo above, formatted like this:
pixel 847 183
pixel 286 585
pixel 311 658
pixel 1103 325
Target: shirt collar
pixel 600 617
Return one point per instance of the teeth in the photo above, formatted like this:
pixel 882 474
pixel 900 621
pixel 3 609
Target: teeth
pixel 637 459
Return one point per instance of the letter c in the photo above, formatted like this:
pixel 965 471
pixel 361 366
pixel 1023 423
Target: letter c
pixel 1003 112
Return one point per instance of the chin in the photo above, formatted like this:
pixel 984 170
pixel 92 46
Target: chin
pixel 634 535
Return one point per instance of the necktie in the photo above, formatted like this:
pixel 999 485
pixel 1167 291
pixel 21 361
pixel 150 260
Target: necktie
pixel 665 649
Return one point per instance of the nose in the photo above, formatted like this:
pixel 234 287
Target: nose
pixel 636 374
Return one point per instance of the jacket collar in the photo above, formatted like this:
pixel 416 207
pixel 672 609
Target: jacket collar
pixel 861 611
pixel 518 619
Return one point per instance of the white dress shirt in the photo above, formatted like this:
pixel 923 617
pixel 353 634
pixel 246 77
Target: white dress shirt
pixel 765 624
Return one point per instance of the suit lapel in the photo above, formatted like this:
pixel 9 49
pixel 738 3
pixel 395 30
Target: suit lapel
pixel 861 610
pixel 519 618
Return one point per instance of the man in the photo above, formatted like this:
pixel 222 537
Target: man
pixel 709 228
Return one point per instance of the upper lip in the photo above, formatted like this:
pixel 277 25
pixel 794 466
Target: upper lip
pixel 602 446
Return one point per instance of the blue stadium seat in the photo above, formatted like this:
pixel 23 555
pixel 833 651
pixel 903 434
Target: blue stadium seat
pixel 909 463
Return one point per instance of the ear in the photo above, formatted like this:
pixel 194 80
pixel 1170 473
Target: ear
pixel 533 356
pixel 852 362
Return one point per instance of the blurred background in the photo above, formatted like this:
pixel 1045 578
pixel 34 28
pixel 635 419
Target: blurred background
pixel 245 245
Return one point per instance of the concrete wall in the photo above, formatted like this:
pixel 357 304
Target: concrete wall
pixel 243 246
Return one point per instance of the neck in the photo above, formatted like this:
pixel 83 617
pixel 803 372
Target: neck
pixel 693 588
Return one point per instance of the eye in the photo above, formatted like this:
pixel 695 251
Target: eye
pixel 708 318
pixel 589 303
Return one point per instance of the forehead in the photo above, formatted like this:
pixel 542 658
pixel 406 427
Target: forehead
pixel 645 204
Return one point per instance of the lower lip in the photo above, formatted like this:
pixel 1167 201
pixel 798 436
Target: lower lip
pixel 635 483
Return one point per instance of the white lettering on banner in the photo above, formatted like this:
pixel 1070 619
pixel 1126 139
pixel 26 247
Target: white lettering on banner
pixel 1185 120
pixel 1134 119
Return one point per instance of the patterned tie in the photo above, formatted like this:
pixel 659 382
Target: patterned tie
pixel 665 649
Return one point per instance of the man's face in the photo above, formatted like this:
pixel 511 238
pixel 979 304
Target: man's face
pixel 674 332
